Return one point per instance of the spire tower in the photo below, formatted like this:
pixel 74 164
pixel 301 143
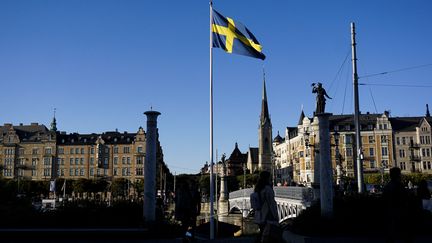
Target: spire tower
pixel 265 133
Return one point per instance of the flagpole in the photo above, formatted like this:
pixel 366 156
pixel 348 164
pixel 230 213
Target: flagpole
pixel 211 126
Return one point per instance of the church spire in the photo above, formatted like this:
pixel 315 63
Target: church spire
pixel 302 116
pixel 427 111
pixel 264 106
pixel 54 123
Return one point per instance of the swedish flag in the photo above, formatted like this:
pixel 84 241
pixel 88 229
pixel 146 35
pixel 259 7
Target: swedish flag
pixel 234 37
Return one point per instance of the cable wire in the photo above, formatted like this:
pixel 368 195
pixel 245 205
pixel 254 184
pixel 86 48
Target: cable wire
pixel 397 70
pixel 398 85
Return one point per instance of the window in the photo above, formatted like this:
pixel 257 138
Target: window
pixel 429 165
pixel 126 150
pixel 77 150
pixel 105 161
pixel 128 160
pixel 371 139
pixel 424 165
pixel 92 161
pixel 384 138
pixel 349 152
pixel 336 128
pixel 47 161
pixel 347 127
pixel 372 164
pixel 428 152
pixel 60 150
pixel 91 172
pixel 47 172
pixel 402 166
pixel 139 160
pixel 35 151
pixel 82 150
pixel 124 160
pixel 47 150
pixel 139 171
pixel 76 172
pixel 402 153
pixel 380 126
pixel 105 172
pixel 116 149
pixel 71 151
pixel 428 140
pixel 384 151
pixel 76 161
pixel 81 172
pixel 348 139
pixel 98 172
pixel 71 161
pixel 21 151
pixel 81 161
pixel 371 152
pixel 139 149
pixel 92 150
pixel 115 171
pixel 62 172
pixel 423 152
pixel 123 171
pixel 385 126
pixel 398 140
pixel 384 163
pixel 34 161
pixel 422 140
pixel 34 172
pixel 115 160
pixel 403 140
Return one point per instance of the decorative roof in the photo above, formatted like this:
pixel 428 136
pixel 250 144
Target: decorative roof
pixel 237 156
pixel 278 139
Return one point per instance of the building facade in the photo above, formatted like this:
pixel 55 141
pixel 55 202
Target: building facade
pixel 35 152
pixel 403 142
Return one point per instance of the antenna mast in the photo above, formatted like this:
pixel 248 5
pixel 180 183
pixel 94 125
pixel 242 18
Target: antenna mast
pixel 359 153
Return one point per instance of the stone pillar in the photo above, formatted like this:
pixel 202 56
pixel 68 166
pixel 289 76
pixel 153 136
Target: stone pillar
pixel 223 198
pixel 149 209
pixel 326 172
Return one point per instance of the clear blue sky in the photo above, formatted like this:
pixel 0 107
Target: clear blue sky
pixel 103 63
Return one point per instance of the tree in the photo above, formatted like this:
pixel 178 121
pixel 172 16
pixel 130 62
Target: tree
pixel 119 187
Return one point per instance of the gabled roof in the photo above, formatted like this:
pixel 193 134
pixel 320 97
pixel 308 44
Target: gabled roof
pixel 404 124
pixel 26 133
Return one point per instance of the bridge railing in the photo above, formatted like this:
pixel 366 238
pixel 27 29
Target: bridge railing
pixel 290 192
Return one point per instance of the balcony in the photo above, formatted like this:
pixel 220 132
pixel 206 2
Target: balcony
pixel 415 158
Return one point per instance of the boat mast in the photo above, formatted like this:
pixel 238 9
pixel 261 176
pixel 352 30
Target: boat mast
pixel 359 153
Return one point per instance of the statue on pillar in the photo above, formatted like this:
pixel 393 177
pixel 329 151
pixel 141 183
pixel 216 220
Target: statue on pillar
pixel 320 97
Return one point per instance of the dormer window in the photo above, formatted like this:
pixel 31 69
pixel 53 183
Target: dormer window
pixel 115 139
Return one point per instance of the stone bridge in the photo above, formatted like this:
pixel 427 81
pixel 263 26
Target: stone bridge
pixel 290 201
